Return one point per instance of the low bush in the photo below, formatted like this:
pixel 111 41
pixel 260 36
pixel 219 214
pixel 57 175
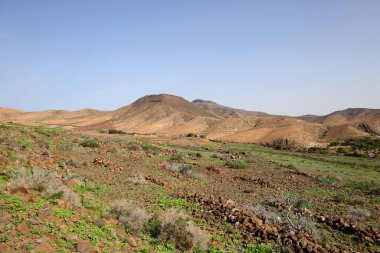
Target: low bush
pixel 236 165
pixel 282 144
pixel 183 169
pixel 177 228
pixel 149 148
pixel 318 150
pixel 137 179
pixel 176 157
pixel 69 146
pixel 42 181
pixel 131 216
pixel 90 143
pixel 113 131
pixel 375 201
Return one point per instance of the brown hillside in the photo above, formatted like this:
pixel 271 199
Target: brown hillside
pixel 225 111
pixel 168 114
pixel 159 114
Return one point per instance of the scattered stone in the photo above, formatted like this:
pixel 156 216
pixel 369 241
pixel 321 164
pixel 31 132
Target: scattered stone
pixel 76 218
pixel 22 228
pixel 100 223
pixel 43 247
pixel 72 237
pixel 86 247
pixel 74 181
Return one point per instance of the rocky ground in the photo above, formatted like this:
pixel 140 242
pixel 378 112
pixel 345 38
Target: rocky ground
pixel 59 189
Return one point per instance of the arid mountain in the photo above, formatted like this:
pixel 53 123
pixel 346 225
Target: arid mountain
pixel 350 115
pixel 225 111
pixel 168 114
pixel 363 119
pixel 158 114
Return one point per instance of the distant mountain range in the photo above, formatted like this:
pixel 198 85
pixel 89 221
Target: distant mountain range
pixel 169 114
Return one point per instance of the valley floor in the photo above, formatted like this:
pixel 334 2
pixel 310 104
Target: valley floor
pixel 237 197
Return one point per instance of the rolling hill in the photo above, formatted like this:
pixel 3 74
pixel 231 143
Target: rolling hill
pixel 173 115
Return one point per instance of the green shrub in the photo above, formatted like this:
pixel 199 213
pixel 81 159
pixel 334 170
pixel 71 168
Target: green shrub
pixel 176 157
pixel 113 131
pixel 375 201
pixel 153 227
pixel 90 143
pixel 318 150
pixel 90 188
pixel 150 148
pixel 258 248
pixel 45 131
pixel 237 165
pixel 334 144
pixel 363 144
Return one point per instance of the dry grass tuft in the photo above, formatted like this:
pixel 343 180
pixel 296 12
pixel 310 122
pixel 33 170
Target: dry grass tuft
pixel 43 181
pixel 179 229
pixel 129 215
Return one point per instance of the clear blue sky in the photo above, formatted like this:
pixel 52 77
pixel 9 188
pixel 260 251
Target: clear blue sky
pixel 285 57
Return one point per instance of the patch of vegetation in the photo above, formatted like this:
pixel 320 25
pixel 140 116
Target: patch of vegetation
pixel 177 203
pixel 3 180
pixel 176 157
pixel 113 131
pixel 62 213
pixel 97 206
pixel 318 150
pixel 282 144
pixel 258 248
pixel 151 149
pixel 325 180
pixel 68 146
pixel 366 144
pixel 362 186
pixel 25 142
pixel 90 188
pixel 45 131
pixel 176 228
pixel 86 230
pixel 131 216
pixel 90 143
pixel 236 165
pixel 343 198
pixel 12 203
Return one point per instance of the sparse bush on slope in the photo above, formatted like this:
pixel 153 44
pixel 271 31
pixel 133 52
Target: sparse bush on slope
pixel 131 216
pixel 175 227
pixel 90 143
pixel 358 214
pixel 43 181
